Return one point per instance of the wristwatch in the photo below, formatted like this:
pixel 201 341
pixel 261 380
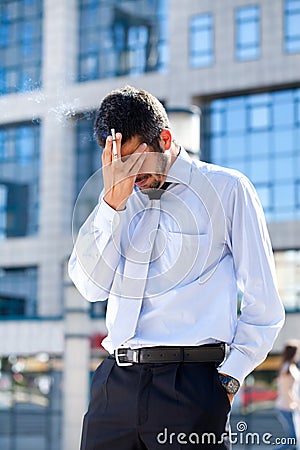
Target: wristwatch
pixel 230 384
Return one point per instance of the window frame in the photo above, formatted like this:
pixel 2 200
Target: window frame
pixel 30 304
pixel 25 72
pixel 265 147
pixel 12 157
pixel 255 45
pixel 120 57
pixel 197 29
pixel 287 39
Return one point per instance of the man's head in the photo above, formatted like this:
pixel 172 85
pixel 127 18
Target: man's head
pixel 140 118
pixel 134 113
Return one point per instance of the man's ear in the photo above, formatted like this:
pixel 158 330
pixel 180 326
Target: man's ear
pixel 166 138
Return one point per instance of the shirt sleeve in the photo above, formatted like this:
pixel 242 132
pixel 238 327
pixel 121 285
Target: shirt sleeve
pixel 96 253
pixel 262 312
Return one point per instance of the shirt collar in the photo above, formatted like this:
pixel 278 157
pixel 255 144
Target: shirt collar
pixel 180 171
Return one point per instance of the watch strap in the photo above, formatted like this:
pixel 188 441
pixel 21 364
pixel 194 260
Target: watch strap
pixel 230 384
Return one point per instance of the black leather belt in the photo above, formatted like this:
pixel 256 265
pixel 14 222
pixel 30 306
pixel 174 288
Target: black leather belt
pixel 203 353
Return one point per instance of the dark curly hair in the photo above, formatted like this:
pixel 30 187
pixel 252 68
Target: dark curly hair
pixel 289 354
pixel 132 112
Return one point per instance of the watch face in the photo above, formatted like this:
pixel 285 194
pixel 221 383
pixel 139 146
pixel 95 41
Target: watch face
pixel 232 386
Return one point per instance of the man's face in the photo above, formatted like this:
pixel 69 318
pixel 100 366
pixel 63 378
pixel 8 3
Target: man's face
pixel 152 174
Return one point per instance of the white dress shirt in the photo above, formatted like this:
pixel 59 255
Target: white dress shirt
pixel 212 242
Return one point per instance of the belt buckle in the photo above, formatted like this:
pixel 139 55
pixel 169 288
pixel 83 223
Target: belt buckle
pixel 117 356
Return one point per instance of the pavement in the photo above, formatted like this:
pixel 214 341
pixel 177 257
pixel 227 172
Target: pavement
pixel 257 430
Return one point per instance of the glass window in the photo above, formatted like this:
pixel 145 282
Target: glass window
pixel 236 147
pixel 283 114
pixel 259 143
pixel 20 45
pixel 247 32
pixel 236 119
pixel 240 165
pixel 283 110
pixel 18 292
pixel 297 112
pixel 30 402
pixel 98 309
pixel 218 148
pixel 259 170
pixel 291 26
pixel 264 194
pixel 297 142
pixel 88 152
pixel 201 40
pixel 289 167
pixel 137 44
pixel 288 274
pixel 217 121
pixel 259 117
pixel 3 208
pixel 19 179
pixel 88 183
pixel 284 196
pixel 121 38
pixel 283 140
pixel 298 193
pixel 267 150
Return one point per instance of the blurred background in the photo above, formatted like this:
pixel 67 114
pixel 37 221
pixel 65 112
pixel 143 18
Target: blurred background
pixel 228 73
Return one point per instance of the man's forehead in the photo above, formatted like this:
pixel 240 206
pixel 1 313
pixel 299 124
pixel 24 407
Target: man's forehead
pixel 131 145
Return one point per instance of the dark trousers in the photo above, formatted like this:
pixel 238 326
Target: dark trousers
pixel 156 406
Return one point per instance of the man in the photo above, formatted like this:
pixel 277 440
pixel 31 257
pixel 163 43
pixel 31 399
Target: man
pixel 169 244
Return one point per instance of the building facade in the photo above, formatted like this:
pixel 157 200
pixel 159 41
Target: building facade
pixel 239 61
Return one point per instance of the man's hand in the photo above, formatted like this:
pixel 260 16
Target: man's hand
pixel 119 174
pixel 231 398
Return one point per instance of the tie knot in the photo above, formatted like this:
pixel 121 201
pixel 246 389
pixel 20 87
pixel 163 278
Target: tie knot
pixel 155 194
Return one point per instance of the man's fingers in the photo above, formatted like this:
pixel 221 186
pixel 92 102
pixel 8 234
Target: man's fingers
pixel 116 146
pixel 136 159
pixel 107 151
pixel 112 146
pixel 141 148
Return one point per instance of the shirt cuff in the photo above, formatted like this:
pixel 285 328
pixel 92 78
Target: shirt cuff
pixel 237 365
pixel 107 218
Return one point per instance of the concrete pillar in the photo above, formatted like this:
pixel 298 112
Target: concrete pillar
pixel 57 150
pixel 76 363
